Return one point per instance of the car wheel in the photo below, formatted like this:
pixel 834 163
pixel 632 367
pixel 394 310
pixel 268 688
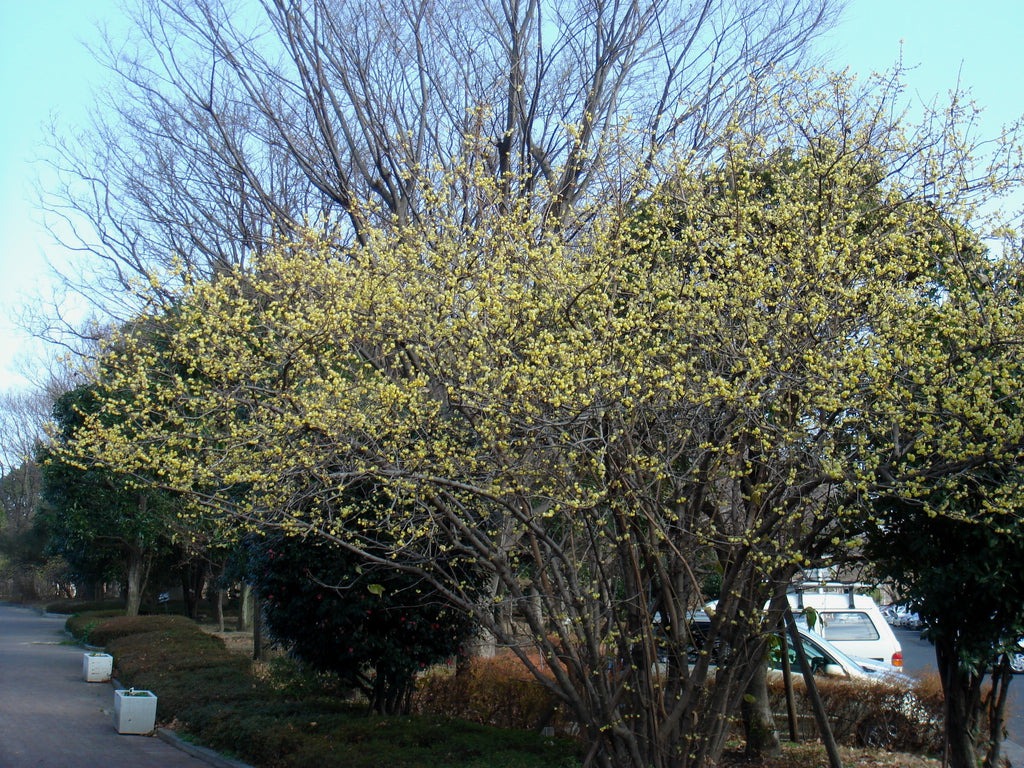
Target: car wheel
pixel 881 731
pixel 1016 663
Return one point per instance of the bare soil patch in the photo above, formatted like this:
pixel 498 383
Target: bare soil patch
pixel 236 641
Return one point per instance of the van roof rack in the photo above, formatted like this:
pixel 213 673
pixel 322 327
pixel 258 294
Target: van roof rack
pixel 826 587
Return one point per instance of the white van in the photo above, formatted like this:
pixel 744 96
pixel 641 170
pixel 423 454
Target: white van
pixel 851 622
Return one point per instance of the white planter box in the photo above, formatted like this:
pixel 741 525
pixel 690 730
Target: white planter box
pixel 134 711
pixel 97 667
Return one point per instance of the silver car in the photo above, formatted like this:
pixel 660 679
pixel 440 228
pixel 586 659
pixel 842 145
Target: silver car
pixel 825 658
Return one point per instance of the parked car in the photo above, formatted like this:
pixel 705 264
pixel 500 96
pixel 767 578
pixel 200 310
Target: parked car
pixel 850 621
pixel 911 620
pixel 1016 657
pixel 892 715
pixel 893 613
pixel 904 618
pixel 824 657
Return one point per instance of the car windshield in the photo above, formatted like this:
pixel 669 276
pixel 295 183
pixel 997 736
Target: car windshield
pixel 825 648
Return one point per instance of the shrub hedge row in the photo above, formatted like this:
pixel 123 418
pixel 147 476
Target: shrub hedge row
pixel 893 717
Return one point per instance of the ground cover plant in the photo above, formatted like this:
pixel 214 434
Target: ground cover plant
pixel 81 625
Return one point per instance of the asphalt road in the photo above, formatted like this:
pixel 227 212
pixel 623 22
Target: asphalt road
pixel 919 659
pixel 50 717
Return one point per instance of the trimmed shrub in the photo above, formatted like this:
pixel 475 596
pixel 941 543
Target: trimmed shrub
pixel 84 606
pixel 123 626
pixel 171 649
pixel 872 714
pixel 375 627
pixel 498 691
pixel 82 626
pixel 184 665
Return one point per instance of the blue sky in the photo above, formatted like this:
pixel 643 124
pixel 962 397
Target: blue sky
pixel 46 72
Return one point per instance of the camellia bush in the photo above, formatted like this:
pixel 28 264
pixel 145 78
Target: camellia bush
pixel 373 626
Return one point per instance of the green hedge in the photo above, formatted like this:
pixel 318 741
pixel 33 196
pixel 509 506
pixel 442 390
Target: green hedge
pixel 82 626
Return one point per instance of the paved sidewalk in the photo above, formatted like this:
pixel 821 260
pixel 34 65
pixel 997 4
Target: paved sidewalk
pixel 51 718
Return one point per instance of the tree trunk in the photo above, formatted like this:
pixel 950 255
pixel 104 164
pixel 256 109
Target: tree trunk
pixel 485 642
pixel 136 578
pixel 391 693
pixel 259 649
pixel 218 609
pixel 193 581
pixel 824 730
pixel 217 593
pixel 245 601
pixel 787 680
pixel 758 722
pixel 962 691
pixel 996 706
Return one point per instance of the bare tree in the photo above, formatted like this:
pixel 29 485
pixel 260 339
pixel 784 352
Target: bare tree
pixel 23 562
pixel 23 416
pixel 238 122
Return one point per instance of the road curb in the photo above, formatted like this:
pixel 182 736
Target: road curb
pixel 202 753
pixel 169 736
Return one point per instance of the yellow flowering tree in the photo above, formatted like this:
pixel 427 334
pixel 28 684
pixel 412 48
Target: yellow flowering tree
pixel 711 380
pixel 947 525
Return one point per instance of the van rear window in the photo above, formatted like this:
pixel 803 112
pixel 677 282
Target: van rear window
pixel 846 625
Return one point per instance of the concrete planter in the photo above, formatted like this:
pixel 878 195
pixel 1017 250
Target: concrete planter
pixel 97 667
pixel 134 711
